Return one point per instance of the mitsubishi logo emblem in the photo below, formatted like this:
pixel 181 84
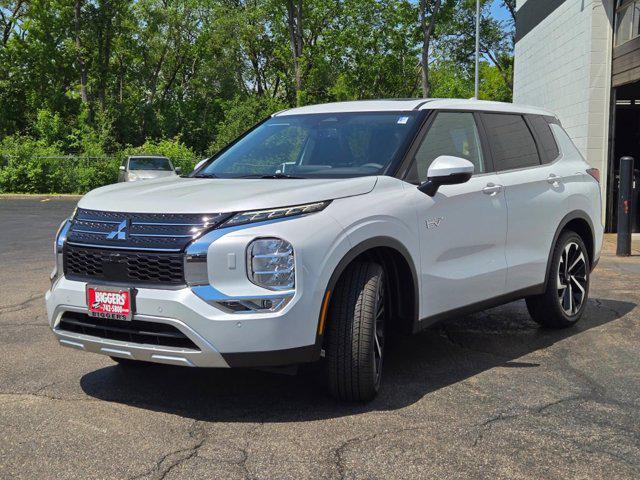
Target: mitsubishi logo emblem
pixel 121 232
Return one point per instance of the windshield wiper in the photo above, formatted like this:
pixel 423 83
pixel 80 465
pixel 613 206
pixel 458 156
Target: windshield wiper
pixel 280 175
pixel 206 175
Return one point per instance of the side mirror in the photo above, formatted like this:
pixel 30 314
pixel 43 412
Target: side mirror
pixel 178 170
pixel 446 170
pixel 123 168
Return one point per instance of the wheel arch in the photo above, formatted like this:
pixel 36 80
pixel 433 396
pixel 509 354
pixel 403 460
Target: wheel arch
pixel 579 222
pixel 399 266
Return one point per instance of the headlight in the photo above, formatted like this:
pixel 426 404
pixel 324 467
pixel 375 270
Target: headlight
pixel 274 213
pixel 270 264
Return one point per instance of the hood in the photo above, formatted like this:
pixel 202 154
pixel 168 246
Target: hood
pixel 220 195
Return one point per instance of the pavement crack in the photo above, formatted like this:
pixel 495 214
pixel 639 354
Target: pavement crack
pixel 601 305
pixel 487 424
pixel 244 450
pixel 540 410
pixel 16 307
pixel 39 391
pixel 444 332
pixel 339 451
pixel 38 394
pixel 23 324
pixel 510 415
pixel 171 460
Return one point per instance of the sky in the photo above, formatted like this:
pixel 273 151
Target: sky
pixel 499 11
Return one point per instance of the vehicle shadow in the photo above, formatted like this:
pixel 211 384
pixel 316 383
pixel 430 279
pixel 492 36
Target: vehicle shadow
pixel 443 355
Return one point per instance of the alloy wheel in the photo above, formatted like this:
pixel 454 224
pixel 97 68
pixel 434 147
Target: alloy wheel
pixel 572 279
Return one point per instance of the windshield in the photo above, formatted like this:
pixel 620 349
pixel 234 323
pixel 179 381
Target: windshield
pixel 317 146
pixel 149 163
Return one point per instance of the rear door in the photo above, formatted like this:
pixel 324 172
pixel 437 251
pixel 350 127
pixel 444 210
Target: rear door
pixel 524 158
pixel 463 227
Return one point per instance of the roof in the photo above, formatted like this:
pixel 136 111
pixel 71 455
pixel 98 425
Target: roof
pixel 399 105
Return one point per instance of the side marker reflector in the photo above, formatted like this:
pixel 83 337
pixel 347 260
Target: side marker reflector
pixel 323 312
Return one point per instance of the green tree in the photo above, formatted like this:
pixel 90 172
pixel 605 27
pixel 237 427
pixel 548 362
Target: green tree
pixel 89 76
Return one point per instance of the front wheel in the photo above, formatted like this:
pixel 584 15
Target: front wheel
pixel 565 298
pixel 356 333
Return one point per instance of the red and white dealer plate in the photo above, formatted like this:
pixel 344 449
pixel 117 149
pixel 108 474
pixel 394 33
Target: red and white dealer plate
pixel 113 303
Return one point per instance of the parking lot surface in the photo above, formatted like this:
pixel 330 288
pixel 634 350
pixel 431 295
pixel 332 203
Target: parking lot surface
pixel 489 395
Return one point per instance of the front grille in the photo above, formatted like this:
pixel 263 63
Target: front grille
pixel 135 331
pixel 140 231
pixel 132 268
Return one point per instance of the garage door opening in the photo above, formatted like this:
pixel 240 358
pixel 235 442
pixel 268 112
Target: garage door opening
pixel 625 141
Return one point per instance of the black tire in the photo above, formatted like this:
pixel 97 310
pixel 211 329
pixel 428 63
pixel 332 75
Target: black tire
pixel 565 298
pixel 129 363
pixel 356 320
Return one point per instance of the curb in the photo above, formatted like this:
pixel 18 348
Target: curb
pixel 15 196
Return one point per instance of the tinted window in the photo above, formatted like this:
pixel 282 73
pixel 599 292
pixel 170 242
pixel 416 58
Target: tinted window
pixel 511 141
pixel 149 163
pixel 318 146
pixel 450 133
pixel 625 28
pixel 546 142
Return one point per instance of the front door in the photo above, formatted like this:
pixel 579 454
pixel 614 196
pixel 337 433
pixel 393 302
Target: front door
pixel 463 227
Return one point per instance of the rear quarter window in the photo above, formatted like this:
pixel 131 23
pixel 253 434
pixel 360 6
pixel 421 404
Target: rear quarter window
pixel 547 143
pixel 511 141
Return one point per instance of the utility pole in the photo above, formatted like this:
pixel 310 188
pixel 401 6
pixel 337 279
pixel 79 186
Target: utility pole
pixel 477 80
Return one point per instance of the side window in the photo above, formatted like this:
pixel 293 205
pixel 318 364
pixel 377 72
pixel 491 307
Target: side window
pixel 564 141
pixel 546 142
pixel 511 141
pixel 451 133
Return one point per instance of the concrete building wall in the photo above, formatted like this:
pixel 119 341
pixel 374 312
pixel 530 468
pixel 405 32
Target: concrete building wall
pixel 564 65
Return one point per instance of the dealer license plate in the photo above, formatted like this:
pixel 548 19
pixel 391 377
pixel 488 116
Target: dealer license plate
pixel 113 303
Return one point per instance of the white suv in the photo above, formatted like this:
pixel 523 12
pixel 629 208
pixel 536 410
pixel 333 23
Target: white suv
pixel 326 228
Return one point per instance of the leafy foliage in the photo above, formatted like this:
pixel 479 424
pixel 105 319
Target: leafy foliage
pixel 30 166
pixel 101 78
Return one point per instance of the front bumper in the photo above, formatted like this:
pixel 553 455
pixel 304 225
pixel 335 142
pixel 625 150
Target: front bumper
pixel 222 339
pixel 205 356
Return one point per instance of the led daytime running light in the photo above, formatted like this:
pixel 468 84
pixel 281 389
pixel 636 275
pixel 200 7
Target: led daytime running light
pixel 275 213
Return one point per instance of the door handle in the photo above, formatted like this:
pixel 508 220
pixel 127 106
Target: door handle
pixel 492 189
pixel 553 179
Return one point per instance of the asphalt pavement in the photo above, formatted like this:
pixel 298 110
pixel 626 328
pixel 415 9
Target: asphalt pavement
pixel 485 396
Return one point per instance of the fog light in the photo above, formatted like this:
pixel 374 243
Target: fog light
pixel 254 305
pixel 270 264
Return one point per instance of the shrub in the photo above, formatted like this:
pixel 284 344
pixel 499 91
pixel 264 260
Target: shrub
pixel 31 166
pixel 25 166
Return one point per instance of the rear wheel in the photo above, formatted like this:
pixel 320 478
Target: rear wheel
pixel 356 333
pixel 565 298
